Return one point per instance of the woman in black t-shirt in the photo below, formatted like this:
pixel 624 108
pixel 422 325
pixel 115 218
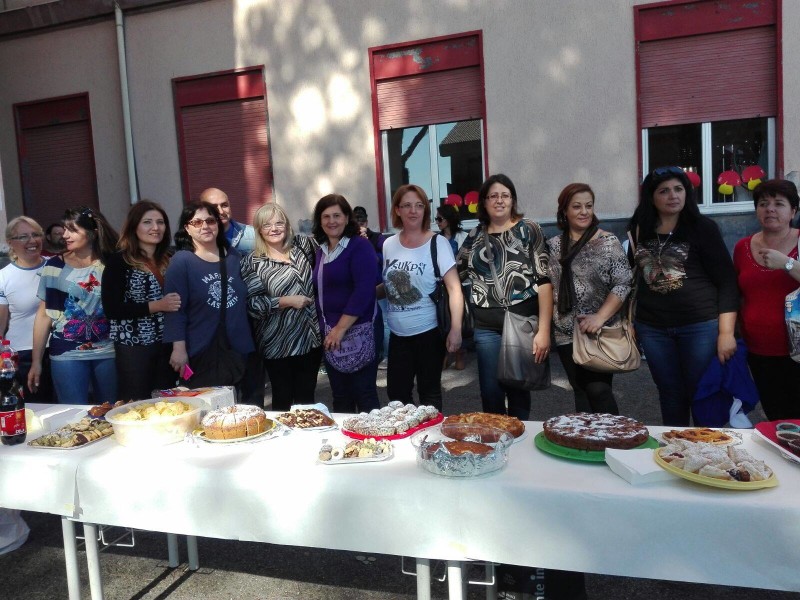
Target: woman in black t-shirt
pixel 686 290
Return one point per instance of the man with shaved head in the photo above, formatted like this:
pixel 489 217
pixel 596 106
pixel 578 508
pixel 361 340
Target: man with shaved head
pixel 240 236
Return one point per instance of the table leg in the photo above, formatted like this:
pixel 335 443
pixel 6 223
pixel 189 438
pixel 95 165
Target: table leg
pixel 491 590
pixel 172 550
pixel 71 559
pixel 455 580
pixel 423 579
pixel 191 549
pixel 93 560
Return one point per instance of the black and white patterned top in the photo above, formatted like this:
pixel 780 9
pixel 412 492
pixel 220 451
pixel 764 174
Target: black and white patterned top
pixel 600 268
pixel 289 331
pixel 126 293
pixel 521 268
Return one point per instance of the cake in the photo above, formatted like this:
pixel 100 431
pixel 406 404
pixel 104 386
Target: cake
pixel 305 418
pixel 459 448
pixel 588 431
pixel 510 424
pixel 235 422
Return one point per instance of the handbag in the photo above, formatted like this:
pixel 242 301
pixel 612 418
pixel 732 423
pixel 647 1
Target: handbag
pixel 610 350
pixel 357 348
pixel 792 314
pixel 441 298
pixel 516 366
pixel 218 363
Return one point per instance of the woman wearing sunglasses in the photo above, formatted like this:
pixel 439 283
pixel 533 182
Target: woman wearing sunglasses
pixel 195 273
pixel 19 282
pixel 71 313
pixel 280 301
pixel 686 295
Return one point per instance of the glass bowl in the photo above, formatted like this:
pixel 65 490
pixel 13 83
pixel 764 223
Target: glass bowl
pixel 434 456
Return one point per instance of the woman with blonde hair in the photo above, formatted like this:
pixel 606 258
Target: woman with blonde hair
pixel 280 303
pixel 19 282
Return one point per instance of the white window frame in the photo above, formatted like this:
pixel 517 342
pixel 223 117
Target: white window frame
pixel 466 224
pixel 706 203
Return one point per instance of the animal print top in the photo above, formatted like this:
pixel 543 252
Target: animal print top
pixel 600 268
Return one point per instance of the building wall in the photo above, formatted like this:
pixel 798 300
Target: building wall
pixel 59 63
pixel 560 92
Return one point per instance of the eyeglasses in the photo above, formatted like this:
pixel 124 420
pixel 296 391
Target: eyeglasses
pixel 210 221
pixel 661 171
pixel 439 219
pixel 417 206
pixel 26 237
pixel 280 226
pixel 505 197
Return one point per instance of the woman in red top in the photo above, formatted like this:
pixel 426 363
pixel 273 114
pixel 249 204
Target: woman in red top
pixel 767 269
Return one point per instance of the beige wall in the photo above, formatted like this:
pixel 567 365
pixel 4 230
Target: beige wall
pixel 560 91
pixel 58 63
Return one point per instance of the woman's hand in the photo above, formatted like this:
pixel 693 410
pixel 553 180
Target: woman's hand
pixel 453 342
pixel 541 346
pixel 297 301
pixel 179 357
pixel 772 259
pixel 726 347
pixel 334 339
pixel 590 323
pixel 169 303
pixel 34 375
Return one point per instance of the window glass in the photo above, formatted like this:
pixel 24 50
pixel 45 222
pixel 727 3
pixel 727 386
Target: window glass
pixel 737 145
pixel 409 158
pixel 679 146
pixel 453 166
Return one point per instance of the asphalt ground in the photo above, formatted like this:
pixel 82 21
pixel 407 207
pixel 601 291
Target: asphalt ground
pixel 244 570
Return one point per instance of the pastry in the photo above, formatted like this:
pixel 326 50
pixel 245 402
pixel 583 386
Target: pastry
pixel 305 418
pixel 510 424
pixel 590 431
pixel 698 434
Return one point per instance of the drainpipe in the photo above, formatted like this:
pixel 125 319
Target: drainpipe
pixel 126 106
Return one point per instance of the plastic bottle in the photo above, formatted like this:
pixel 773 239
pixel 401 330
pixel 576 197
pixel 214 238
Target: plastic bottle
pixel 5 346
pixel 12 404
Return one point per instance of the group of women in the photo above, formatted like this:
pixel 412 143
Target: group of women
pixel 121 316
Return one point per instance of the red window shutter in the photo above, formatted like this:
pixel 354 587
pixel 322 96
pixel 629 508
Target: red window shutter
pixel 430 98
pixel 710 77
pixel 226 146
pixel 56 157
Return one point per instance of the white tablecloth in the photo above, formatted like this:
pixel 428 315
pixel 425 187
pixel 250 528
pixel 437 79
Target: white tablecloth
pixel 538 511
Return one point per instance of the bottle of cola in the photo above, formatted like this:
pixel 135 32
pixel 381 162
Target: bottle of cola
pixel 12 404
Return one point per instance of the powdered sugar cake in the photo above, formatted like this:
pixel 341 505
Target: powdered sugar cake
pixel 588 431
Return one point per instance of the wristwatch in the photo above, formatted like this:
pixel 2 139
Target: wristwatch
pixel 789 264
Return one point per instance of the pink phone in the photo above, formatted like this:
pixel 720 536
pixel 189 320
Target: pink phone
pixel 186 372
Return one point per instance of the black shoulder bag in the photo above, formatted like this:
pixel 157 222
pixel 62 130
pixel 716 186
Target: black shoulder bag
pixel 441 298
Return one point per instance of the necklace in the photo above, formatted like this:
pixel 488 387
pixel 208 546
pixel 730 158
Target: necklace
pixel 662 244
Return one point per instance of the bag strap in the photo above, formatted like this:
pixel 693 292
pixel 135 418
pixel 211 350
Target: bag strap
pixel 223 268
pixel 435 259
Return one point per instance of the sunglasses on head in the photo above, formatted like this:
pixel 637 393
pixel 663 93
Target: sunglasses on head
pixel 661 171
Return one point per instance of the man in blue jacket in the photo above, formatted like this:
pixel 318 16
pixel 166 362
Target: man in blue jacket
pixel 240 236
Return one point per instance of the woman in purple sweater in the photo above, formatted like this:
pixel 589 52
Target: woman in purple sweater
pixel 345 276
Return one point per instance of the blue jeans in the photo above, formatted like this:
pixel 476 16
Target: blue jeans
pixel 493 393
pixel 678 357
pixel 71 379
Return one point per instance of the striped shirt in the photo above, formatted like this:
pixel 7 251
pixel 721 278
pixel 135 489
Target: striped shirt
pixel 282 332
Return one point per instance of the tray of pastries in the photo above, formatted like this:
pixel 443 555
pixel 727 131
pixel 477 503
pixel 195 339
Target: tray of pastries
pixel 307 419
pixel 392 422
pixel 728 467
pixel 355 451
pixel 75 435
pixel 718 437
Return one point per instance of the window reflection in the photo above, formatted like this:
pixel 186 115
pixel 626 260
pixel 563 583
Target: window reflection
pixel 736 146
pixel 679 146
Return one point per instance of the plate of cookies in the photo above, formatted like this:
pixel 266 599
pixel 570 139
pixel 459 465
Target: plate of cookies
pixel 348 452
pixel 307 419
pixel 392 422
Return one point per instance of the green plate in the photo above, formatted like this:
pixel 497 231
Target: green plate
pixel 545 445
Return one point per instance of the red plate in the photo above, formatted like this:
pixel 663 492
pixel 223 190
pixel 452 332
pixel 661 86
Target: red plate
pixel 767 429
pixel 397 436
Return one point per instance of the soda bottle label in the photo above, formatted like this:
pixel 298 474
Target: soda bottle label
pixel 12 422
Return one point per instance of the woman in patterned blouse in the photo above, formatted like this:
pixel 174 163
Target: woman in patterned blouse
pixel 280 301
pixel 135 303
pixel 520 256
pixel 71 313
pixel 591 279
